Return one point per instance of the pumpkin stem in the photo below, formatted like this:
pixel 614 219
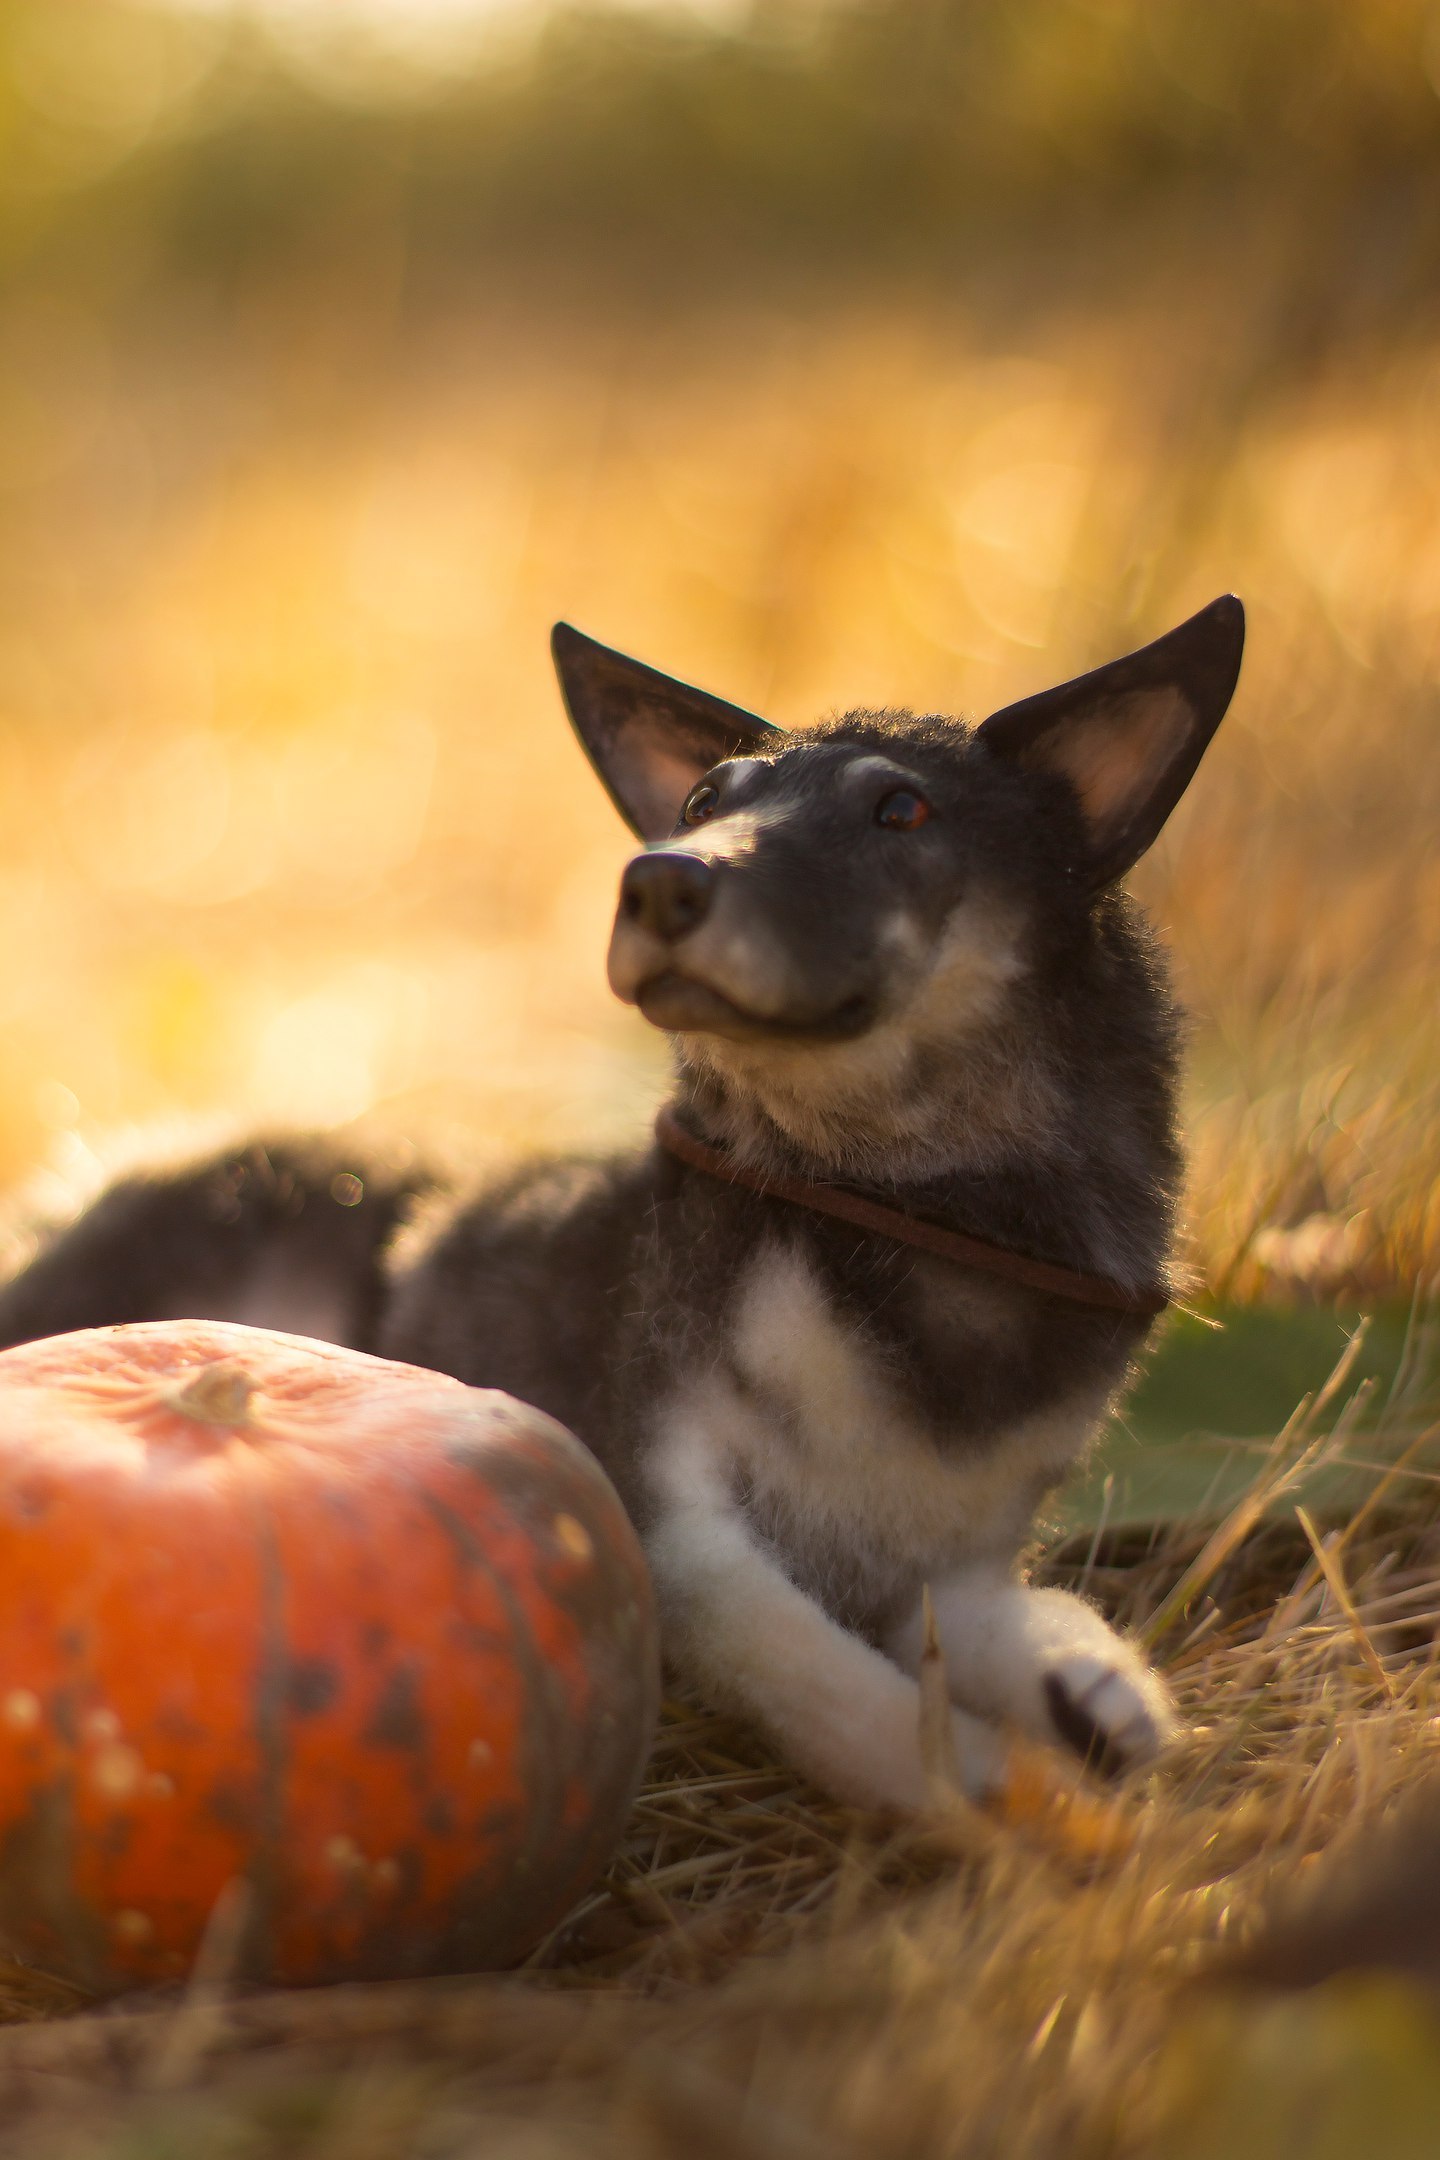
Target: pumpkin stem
pixel 219 1394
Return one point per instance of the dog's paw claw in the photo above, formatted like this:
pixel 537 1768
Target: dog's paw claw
pixel 1112 1717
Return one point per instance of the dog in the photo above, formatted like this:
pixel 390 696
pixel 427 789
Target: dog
pixel 907 1223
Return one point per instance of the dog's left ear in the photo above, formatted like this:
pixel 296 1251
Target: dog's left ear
pixel 649 738
pixel 1129 736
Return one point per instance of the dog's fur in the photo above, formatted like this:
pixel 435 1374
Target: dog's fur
pixel 891 953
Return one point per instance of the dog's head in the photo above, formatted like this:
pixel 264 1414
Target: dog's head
pixel 879 879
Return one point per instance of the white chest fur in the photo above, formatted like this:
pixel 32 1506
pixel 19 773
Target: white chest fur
pixel 828 1448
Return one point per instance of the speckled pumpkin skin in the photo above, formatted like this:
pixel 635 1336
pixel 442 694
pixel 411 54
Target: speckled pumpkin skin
pixel 381 1650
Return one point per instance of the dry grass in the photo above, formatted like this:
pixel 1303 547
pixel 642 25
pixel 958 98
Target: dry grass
pixel 763 1973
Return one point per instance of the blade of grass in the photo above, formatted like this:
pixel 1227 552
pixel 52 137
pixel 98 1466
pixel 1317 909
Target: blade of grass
pixel 1276 1477
pixel 1274 1480
pixel 1328 1563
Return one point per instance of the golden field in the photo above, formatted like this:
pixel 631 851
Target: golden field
pixel 922 357
pixel 294 830
pixel 912 353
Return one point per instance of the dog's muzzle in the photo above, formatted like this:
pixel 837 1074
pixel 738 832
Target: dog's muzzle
pixel 683 958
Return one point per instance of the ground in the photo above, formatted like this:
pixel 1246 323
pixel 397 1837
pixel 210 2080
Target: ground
pixel 764 1973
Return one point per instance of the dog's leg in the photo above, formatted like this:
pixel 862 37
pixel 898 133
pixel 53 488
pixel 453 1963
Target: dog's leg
pixel 1047 1662
pixel 836 1708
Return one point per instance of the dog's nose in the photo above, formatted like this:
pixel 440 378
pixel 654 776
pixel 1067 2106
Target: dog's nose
pixel 669 895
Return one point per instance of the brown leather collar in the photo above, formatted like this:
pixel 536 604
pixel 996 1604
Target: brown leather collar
pixel 891 1222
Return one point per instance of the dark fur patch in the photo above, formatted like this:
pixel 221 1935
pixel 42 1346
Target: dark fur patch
pixel 1079 1730
pixel 199 1242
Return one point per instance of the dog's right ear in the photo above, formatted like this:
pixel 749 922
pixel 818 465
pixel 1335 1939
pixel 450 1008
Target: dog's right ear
pixel 649 738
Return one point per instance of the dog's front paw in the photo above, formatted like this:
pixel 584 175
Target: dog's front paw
pixel 1113 1715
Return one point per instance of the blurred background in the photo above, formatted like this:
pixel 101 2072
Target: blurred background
pixel 825 352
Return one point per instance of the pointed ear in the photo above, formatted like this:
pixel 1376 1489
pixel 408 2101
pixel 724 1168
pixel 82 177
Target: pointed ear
pixel 1129 736
pixel 649 738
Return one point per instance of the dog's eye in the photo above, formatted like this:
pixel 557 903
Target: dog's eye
pixel 703 803
pixel 902 810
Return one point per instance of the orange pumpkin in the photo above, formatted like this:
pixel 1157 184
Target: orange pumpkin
pixel 372 1646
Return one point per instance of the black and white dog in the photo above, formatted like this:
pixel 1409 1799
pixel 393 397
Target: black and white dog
pixel 896 968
